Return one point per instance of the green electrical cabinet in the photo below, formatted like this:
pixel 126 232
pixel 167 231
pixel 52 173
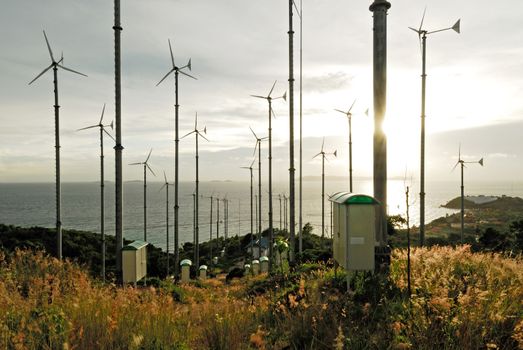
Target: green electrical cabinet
pixel 356 220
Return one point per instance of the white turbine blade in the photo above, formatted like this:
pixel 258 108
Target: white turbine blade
pixel 165 177
pixel 151 170
pixel 171 52
pixel 149 155
pixel 163 186
pixel 61 58
pixel 338 110
pixel 414 30
pixel 135 163
pixel 258 96
pixel 255 147
pixel 322 144
pixel 264 138
pixel 88 127
pixel 312 158
pixel 205 138
pixel 39 75
pixel 70 70
pixel 190 76
pixel 196 121
pixel 350 109
pixel 455 165
pixel 273 114
pixel 459 152
pixel 166 75
pixel 422 18
pixel 439 30
pixel 272 88
pixel 254 133
pixel 102 117
pixel 189 133
pixel 49 47
pixel 111 136
pixel 252 163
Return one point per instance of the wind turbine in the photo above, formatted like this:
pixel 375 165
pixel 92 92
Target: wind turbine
pixel 348 114
pixel 166 186
pixel 197 133
pixel 258 146
pixel 269 100
pixel 422 35
pixel 210 229
pixel 252 233
pixel 323 155
pixel 177 70
pixel 462 163
pixel 101 126
pixel 55 65
pixel 145 167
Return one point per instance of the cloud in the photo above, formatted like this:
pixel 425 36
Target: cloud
pixel 327 82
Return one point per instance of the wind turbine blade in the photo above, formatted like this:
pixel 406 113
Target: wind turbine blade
pixel 70 70
pixel 166 75
pixel 184 136
pixel 61 58
pixel 49 47
pixel 258 96
pixel 163 186
pixel 350 109
pixel 455 165
pixel 252 163
pixel 88 127
pixel 253 133
pixel 272 111
pixel 481 162
pixel 151 170
pixel 456 27
pixel 196 121
pixel 165 176
pixel 255 147
pixel 322 144
pixel 205 138
pixel 39 75
pixel 149 155
pixel 102 117
pixel 459 151
pixel 111 136
pixel 135 163
pixel 338 110
pixel 272 88
pixel 414 29
pixel 422 18
pixel 190 76
pixel 171 52
pixel 264 138
pixel 313 158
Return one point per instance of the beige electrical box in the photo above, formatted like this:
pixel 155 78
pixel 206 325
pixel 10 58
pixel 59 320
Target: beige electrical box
pixel 264 264
pixel 186 270
pixel 356 220
pixel 134 261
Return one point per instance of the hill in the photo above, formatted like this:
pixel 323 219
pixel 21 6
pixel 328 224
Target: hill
pixel 476 202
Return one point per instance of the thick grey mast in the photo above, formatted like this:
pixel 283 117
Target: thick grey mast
pixel 379 8
pixel 291 139
pixel 55 64
pixel 118 148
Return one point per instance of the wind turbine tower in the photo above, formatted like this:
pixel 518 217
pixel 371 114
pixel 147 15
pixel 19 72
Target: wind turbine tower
pixel 252 226
pixel 197 133
pixel 55 65
pixel 269 100
pixel 323 155
pixel 145 168
pixel 177 70
pixel 258 146
pixel 422 35
pixel 102 127
pixel 462 163
pixel 166 186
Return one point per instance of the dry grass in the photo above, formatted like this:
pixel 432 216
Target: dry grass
pixel 461 300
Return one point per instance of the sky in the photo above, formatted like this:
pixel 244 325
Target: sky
pixel 239 48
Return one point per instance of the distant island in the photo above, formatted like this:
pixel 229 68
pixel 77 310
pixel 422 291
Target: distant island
pixel 486 202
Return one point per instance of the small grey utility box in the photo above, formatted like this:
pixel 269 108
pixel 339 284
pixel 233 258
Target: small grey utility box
pixel 356 224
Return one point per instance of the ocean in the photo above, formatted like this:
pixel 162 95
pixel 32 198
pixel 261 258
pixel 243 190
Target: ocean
pixel 32 204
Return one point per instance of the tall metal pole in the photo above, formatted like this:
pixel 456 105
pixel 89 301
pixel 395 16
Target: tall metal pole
pixel 210 235
pixel 422 160
pixel 252 233
pixel 118 148
pixel 176 203
pixel 256 213
pixel 259 194
pixel 281 227
pixel 379 8
pixel 462 204
pixel 57 165
pixel 197 228
pixel 300 225
pixel 350 153
pixel 291 138
pixel 271 234
pixel 102 200
pixel 217 218
pixel 145 203
pixel 167 224
pixel 323 195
